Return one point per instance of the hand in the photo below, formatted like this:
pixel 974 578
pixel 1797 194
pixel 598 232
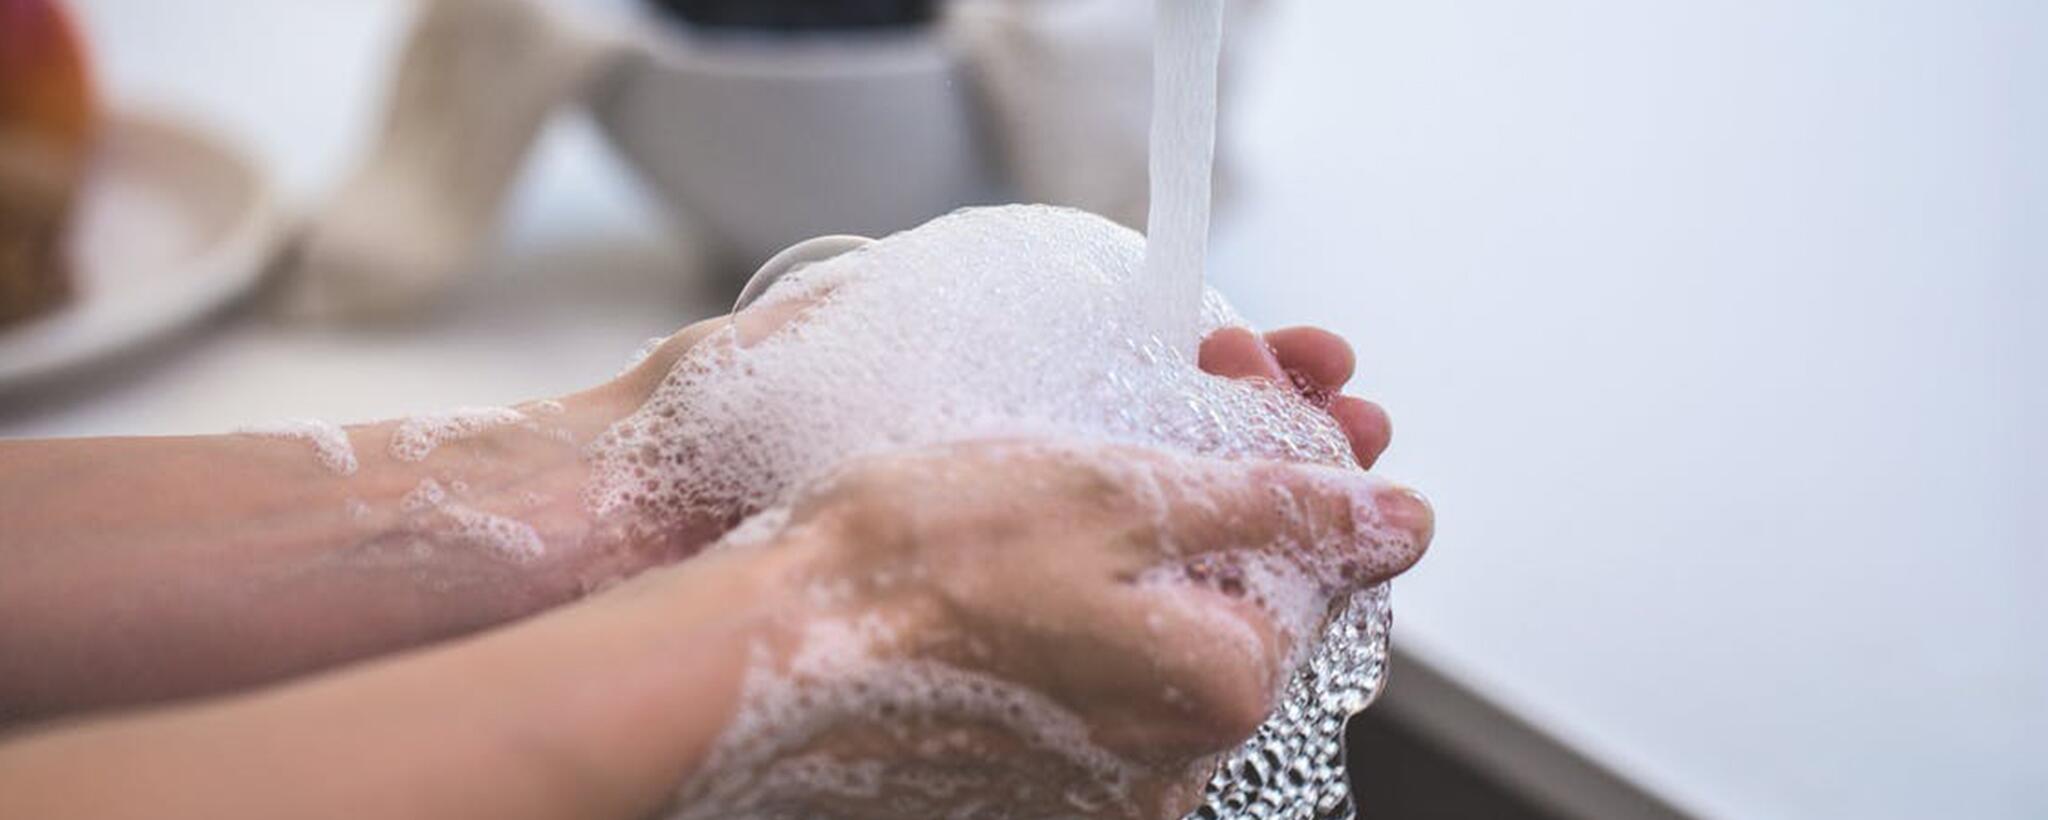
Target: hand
pixel 594 710
pixel 1315 361
pixel 1048 573
pixel 1318 363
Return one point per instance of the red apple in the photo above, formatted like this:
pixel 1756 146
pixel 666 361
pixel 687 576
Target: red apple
pixel 47 120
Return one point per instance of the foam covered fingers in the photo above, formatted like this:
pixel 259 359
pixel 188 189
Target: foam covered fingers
pixel 1072 570
pixel 1366 425
pixel 1323 358
pixel 1344 527
pixel 1315 362
pixel 1235 353
pixel 1246 561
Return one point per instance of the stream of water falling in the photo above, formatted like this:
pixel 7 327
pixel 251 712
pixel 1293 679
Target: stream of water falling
pixel 1293 766
pixel 1189 39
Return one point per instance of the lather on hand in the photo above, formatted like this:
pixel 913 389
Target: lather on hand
pixel 187 586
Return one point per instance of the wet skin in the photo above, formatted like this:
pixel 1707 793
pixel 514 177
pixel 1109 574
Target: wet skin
pixel 513 721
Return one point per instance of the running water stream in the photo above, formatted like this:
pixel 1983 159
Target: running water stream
pixel 1293 767
pixel 1188 41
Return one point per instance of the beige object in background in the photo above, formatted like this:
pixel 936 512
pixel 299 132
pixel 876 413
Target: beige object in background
pixel 1068 91
pixel 760 141
pixel 763 141
pixel 476 81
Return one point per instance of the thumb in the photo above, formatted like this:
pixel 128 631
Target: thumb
pixel 744 329
pixel 1348 528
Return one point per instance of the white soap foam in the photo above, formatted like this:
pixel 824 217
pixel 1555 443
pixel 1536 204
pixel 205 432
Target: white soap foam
pixel 510 537
pixel 418 436
pixel 468 526
pixel 330 443
pixel 425 495
pixel 986 322
pixel 834 681
pixel 1188 39
pixel 1020 321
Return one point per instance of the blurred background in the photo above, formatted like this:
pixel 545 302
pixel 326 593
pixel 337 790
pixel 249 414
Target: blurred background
pixel 1715 331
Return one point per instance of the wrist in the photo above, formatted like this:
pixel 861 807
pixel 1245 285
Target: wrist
pixel 488 506
pixel 531 474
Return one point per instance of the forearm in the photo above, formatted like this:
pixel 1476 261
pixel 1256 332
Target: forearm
pixel 593 711
pixel 143 569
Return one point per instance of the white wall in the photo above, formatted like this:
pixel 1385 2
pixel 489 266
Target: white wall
pixel 1716 331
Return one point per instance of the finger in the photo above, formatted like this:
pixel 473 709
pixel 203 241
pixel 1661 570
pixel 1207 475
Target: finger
pixel 1366 425
pixel 1344 526
pixel 645 374
pixel 748 327
pixel 1237 353
pixel 1323 357
pixel 765 317
pixel 1223 638
pixel 689 337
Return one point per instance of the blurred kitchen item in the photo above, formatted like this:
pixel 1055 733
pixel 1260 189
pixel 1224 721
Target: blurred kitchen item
pixel 47 121
pixel 766 137
pixel 1068 91
pixel 172 223
pixel 475 83
pixel 760 122
pixel 765 140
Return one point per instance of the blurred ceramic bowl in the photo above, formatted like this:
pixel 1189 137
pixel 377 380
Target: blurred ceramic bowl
pixel 766 139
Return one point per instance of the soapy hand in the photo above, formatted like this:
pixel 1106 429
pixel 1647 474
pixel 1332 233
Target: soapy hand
pixel 1157 599
pixel 1317 362
pixel 1314 361
pixel 1151 626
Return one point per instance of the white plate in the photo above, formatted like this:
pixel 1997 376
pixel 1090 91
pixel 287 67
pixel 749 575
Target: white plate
pixel 172 224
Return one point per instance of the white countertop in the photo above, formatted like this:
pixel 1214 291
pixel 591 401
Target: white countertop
pixel 1715 331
